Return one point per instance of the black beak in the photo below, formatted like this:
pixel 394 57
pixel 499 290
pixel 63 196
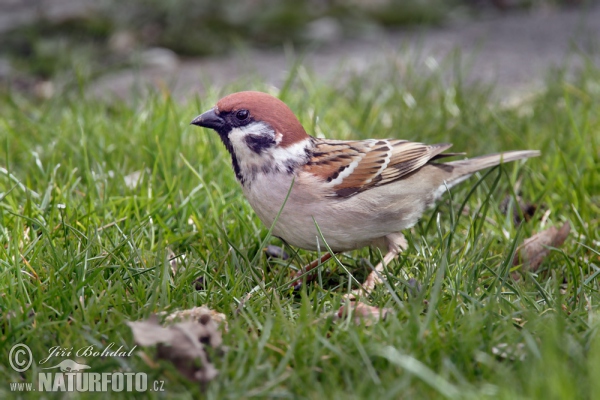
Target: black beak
pixel 209 119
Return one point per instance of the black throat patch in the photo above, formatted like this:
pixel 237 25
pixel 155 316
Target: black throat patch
pixel 236 166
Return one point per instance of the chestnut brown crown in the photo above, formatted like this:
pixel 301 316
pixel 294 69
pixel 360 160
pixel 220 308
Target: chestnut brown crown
pixel 263 107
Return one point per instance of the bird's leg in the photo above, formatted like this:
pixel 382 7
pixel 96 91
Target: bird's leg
pixel 298 276
pixel 396 243
pixel 375 277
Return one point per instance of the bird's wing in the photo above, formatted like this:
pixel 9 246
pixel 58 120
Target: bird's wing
pixel 350 167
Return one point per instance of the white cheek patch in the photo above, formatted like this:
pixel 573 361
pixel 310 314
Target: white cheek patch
pixel 268 159
pixel 238 136
pixel 295 152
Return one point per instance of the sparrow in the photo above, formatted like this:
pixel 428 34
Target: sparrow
pixel 350 193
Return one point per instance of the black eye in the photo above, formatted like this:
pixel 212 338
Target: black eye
pixel 242 115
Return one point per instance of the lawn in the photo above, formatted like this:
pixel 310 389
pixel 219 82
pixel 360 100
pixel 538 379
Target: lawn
pixel 112 212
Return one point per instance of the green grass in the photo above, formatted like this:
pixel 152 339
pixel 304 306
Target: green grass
pixel 81 252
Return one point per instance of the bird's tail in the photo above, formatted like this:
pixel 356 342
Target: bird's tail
pixel 471 165
pixel 463 169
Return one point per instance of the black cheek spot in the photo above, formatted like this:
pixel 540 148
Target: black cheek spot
pixel 335 175
pixel 258 143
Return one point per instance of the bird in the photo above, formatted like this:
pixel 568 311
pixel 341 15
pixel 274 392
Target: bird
pixel 342 194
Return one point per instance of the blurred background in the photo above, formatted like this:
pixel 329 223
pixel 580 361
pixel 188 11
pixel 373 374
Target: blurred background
pixel 183 46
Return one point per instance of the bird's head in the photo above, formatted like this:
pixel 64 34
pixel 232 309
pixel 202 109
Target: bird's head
pixel 259 130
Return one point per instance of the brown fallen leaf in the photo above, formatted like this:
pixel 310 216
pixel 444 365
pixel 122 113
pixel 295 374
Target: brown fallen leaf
pixel 363 313
pixel 195 314
pixel 184 344
pixel 534 249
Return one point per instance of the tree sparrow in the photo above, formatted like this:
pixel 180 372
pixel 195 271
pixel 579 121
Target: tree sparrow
pixel 358 193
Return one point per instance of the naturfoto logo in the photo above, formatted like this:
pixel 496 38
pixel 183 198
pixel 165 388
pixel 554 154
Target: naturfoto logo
pixel 72 376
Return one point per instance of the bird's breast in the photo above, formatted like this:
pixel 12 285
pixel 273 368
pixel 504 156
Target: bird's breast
pixel 302 216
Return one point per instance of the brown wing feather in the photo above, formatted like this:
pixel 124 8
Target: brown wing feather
pixel 330 158
pixel 408 157
pixel 353 166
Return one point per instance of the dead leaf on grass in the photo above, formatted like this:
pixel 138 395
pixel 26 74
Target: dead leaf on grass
pixel 362 313
pixel 196 314
pixel 534 249
pixel 184 344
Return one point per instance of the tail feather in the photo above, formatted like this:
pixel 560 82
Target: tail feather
pixel 462 169
pixel 471 165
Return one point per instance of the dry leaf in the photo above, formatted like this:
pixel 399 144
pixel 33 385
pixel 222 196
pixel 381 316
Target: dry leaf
pixel 363 313
pixel 195 314
pixel 534 249
pixel 183 344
